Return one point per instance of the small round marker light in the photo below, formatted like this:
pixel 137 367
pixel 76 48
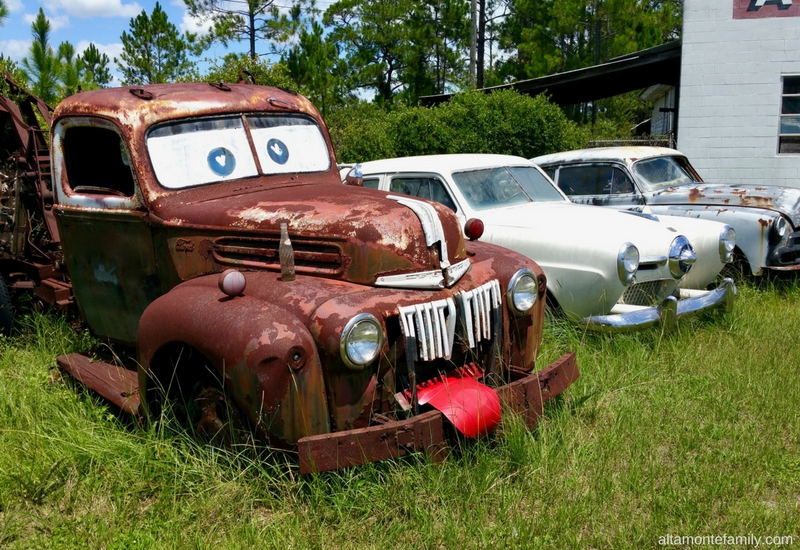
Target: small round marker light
pixel 232 282
pixel 473 229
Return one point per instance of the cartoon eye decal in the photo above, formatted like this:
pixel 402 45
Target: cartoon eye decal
pixel 277 151
pixel 221 161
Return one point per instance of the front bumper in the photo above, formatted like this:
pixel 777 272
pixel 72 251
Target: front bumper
pixel 630 318
pixel 525 396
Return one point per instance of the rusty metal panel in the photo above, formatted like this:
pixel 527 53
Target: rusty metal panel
pixel 340 450
pixel 118 385
pixel 527 395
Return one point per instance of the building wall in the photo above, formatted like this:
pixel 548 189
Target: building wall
pixel 730 90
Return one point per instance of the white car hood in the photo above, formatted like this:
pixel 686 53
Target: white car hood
pixel 565 221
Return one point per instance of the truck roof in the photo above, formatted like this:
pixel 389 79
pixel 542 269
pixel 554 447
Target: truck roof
pixel 137 106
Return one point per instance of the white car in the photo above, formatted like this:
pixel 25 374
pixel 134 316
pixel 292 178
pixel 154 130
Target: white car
pixel 662 181
pixel 605 270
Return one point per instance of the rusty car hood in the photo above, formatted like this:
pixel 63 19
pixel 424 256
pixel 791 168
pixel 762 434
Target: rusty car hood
pixel 372 234
pixel 785 200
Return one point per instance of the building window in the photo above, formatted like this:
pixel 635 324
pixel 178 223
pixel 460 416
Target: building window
pixel 789 139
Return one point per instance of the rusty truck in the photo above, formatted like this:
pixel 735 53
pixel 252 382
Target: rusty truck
pixel 205 227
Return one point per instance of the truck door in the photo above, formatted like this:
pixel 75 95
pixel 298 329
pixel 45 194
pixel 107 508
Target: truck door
pixel 107 243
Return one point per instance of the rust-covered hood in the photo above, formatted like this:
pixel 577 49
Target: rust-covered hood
pixel 357 235
pixel 785 200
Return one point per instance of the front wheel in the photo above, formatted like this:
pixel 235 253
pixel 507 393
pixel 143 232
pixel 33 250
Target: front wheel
pixel 215 419
pixel 6 311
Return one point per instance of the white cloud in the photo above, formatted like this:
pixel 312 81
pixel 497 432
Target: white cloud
pixel 14 5
pixel 56 22
pixel 95 8
pixel 15 49
pixel 190 24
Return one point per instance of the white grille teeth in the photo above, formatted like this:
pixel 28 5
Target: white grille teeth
pixel 433 329
pixel 433 324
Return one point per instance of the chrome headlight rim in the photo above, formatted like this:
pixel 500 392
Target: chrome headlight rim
pixel 681 257
pixel 345 344
pixel 627 266
pixel 779 230
pixel 727 244
pixel 515 297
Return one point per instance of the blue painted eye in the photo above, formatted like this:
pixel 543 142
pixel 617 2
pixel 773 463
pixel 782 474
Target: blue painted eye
pixel 221 161
pixel 277 151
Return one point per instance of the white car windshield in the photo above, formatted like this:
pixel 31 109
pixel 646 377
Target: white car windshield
pixel 662 172
pixel 505 186
pixel 210 150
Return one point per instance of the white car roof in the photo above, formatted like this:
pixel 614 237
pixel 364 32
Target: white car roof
pixel 626 155
pixel 440 163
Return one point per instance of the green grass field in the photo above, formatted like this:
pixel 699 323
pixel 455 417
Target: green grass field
pixel 695 433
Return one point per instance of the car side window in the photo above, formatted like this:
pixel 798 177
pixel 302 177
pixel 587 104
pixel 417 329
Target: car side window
pixel 620 183
pixel 425 188
pixel 596 179
pixel 578 180
pixel 97 162
pixel 371 183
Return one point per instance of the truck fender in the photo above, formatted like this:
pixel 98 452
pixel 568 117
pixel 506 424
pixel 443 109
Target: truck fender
pixel 265 355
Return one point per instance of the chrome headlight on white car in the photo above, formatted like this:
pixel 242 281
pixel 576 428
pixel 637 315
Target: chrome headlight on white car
pixel 681 257
pixel 523 288
pixel 727 242
pixel 627 263
pixel 361 341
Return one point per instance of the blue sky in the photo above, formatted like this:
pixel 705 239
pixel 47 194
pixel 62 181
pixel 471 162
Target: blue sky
pixel 84 21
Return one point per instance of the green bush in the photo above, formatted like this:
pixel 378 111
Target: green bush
pixel 503 122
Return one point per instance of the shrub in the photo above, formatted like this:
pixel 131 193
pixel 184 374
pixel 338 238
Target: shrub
pixel 504 122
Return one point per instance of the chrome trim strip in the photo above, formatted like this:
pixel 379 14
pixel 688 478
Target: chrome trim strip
pixel 431 224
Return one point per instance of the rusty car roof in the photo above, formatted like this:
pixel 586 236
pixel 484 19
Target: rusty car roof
pixel 137 106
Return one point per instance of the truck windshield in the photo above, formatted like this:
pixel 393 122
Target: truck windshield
pixel 505 186
pixel 204 151
pixel 662 172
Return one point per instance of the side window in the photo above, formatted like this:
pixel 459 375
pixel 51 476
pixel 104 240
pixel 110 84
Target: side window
pixel 97 162
pixel 600 179
pixel 424 188
pixel 620 183
pixel 371 183
pixel 579 180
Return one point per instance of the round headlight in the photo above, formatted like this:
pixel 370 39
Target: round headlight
pixel 361 342
pixel 727 242
pixel 522 292
pixel 780 227
pixel 627 263
pixel 681 257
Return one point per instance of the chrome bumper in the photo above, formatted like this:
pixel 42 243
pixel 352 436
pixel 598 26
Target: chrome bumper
pixel 666 314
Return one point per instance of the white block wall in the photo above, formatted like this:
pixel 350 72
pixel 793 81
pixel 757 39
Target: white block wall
pixel 730 93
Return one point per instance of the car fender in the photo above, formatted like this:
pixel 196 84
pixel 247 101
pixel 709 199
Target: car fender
pixel 265 355
pixel 581 277
pixel 752 226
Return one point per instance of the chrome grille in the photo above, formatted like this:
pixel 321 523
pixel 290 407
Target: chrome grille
pixel 433 324
pixel 648 293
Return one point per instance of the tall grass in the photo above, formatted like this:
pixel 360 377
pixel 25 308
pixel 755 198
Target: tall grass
pixel 691 433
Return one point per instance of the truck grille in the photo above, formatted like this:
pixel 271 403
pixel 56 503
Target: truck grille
pixel 261 253
pixel 433 324
pixel 648 293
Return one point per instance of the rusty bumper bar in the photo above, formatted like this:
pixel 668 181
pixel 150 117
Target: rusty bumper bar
pixel 692 302
pixel 425 432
